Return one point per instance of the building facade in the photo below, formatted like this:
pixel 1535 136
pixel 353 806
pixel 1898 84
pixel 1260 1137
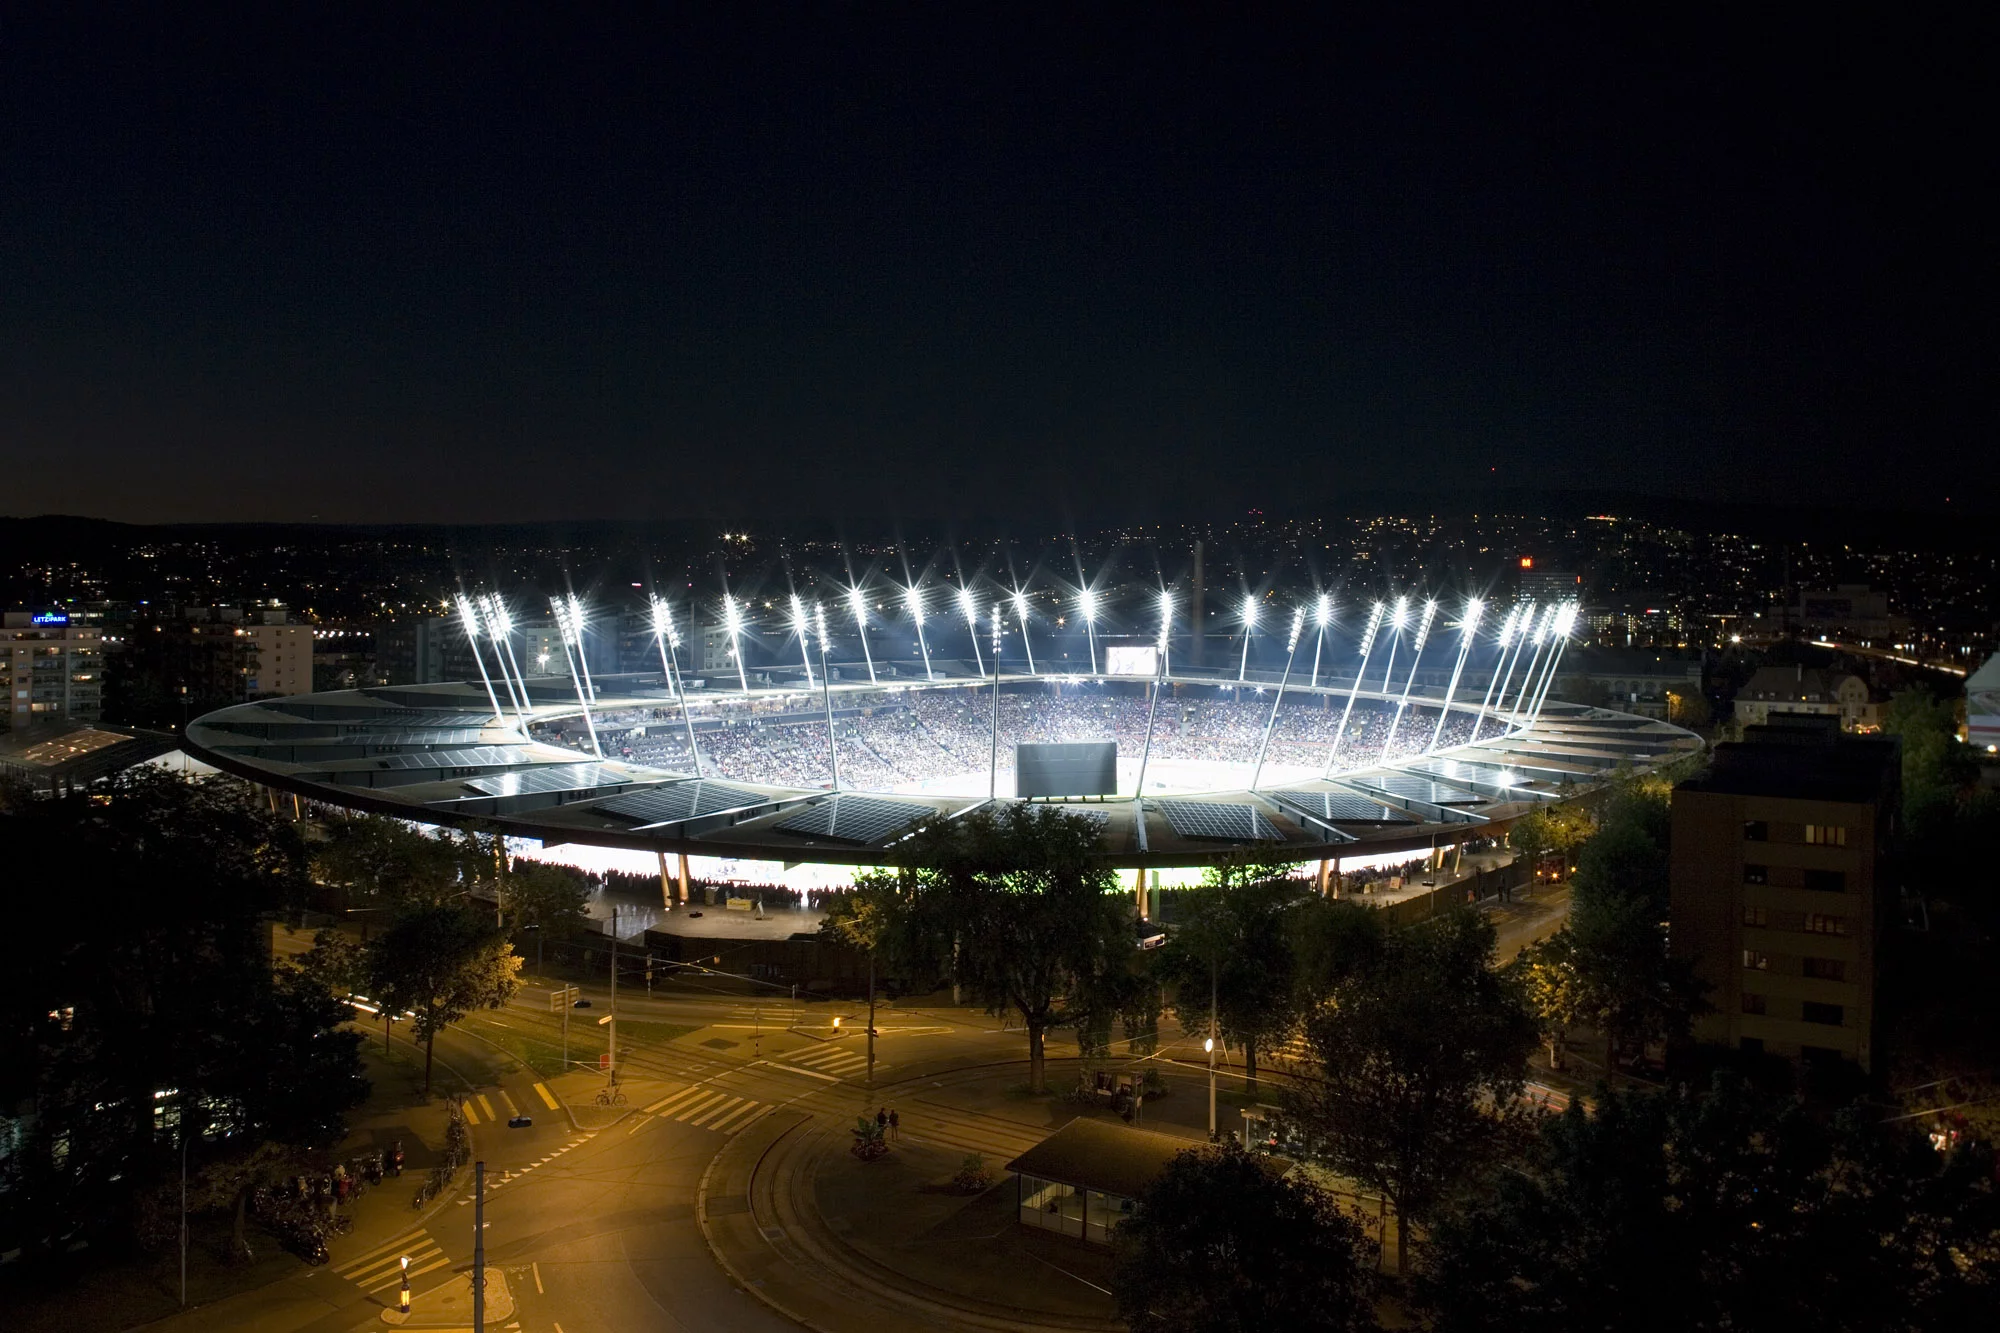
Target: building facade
pixel 54 668
pixel 1775 693
pixel 1776 894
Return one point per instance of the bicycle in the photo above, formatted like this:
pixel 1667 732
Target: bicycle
pixel 611 1097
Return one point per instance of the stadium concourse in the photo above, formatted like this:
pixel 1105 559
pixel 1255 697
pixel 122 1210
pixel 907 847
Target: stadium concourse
pixel 761 795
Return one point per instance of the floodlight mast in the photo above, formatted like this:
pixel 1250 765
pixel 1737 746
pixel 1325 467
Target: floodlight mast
pixel 732 621
pixel 567 629
pixel 803 627
pixel 1398 617
pixel 1523 626
pixel 1504 638
pixel 826 693
pixel 1159 674
pixel 469 618
pixel 1270 723
pixel 1368 636
pixel 858 602
pixel 1021 613
pixel 1542 625
pixel 913 596
pixel 970 608
pixel 1322 614
pixel 1468 631
pixel 669 639
pixel 1409 682
pixel 1565 621
pixel 576 616
pixel 1249 624
pixel 1087 603
pixel 993 767
pixel 500 627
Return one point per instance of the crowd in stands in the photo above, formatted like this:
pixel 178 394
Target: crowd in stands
pixel 888 741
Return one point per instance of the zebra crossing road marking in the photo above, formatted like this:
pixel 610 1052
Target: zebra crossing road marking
pixel 833 1060
pixel 548 1098
pixel 706 1108
pixel 516 1173
pixel 382 1267
pixel 486 1106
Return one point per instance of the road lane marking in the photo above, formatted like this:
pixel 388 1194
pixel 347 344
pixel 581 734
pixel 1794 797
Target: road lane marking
pixel 736 1120
pixel 538 1279
pixel 512 1109
pixel 487 1107
pixel 698 1120
pixel 678 1100
pixel 471 1112
pixel 543 1090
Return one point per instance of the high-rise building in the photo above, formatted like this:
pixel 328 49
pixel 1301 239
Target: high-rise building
pixel 1777 898
pixel 53 668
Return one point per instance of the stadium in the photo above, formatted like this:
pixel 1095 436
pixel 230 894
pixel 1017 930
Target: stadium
pixel 1433 732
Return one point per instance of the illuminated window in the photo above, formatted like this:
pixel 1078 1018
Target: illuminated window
pixel 1757 960
pixel 1818 923
pixel 1826 835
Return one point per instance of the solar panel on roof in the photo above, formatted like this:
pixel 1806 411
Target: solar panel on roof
pixel 856 819
pixel 1218 822
pixel 551 778
pixel 682 800
pixel 1420 788
pixel 1341 808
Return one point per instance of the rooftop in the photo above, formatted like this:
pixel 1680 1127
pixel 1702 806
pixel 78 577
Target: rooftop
pixel 1094 1154
pixel 1802 764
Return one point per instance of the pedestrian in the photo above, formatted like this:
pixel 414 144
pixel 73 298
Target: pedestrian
pixel 396 1158
pixel 882 1120
pixel 895 1126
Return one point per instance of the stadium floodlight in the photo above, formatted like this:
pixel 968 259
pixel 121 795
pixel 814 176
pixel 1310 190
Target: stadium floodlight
pixel 1153 701
pixel 913 597
pixel 500 629
pixel 1513 633
pixel 669 640
pixel 732 623
pixel 1087 603
pixel 469 617
pixel 1249 624
pixel 1020 599
pixel 1468 632
pixel 1565 621
pixel 1538 639
pixel 1291 652
pixel 993 762
pixel 826 692
pixel 802 626
pixel 857 602
pixel 569 626
pixel 578 619
pixel 1322 617
pixel 1409 682
pixel 1368 635
pixel 1166 620
pixel 1398 617
pixel 970 608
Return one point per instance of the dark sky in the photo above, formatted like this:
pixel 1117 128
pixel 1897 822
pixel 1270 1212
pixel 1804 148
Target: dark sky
pixel 839 259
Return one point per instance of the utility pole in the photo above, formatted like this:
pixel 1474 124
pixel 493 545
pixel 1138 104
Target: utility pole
pixel 1209 1045
pixel 479 1247
pixel 611 1059
pixel 871 1016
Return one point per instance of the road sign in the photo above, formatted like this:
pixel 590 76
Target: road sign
pixel 606 1019
pixel 562 999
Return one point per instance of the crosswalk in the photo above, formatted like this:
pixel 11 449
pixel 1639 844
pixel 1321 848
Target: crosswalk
pixel 496 1178
pixel 835 1062
pixel 381 1269
pixel 706 1107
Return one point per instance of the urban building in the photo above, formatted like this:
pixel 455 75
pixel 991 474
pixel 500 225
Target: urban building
pixel 1851 611
pixel 53 666
pixel 1546 585
pixel 1777 900
pixel 1982 707
pixel 1775 692
pixel 1657 684
pixel 280 659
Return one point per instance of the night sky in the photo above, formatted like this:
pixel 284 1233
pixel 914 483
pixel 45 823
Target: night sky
pixel 334 264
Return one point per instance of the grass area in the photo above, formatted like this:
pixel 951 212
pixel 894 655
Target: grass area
pixel 536 1040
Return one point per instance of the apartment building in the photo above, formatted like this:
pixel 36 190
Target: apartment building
pixel 1777 897
pixel 53 668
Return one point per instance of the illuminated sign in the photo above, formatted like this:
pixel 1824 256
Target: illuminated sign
pixel 1126 661
pixel 1527 562
pixel 50 618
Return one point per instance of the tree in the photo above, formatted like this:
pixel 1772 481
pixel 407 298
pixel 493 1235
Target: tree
pixel 1419 1052
pixel 1221 1242
pixel 860 920
pixel 1545 829
pixel 1546 972
pixel 542 898
pixel 1011 902
pixel 157 1013
pixel 391 864
pixel 1719 1209
pixel 1232 948
pixel 439 963
pixel 1627 985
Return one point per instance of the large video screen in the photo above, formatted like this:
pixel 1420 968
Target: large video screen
pixel 1129 660
pixel 1071 768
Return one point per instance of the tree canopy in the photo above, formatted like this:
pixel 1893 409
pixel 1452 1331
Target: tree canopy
pixel 1420 1049
pixel 1721 1209
pixel 439 962
pixel 1010 903
pixel 1221 1244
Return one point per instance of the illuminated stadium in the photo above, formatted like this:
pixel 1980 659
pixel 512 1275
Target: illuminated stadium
pixel 1436 727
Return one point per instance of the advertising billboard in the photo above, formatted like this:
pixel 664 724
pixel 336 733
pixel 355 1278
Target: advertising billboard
pixel 1130 660
pixel 1069 768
